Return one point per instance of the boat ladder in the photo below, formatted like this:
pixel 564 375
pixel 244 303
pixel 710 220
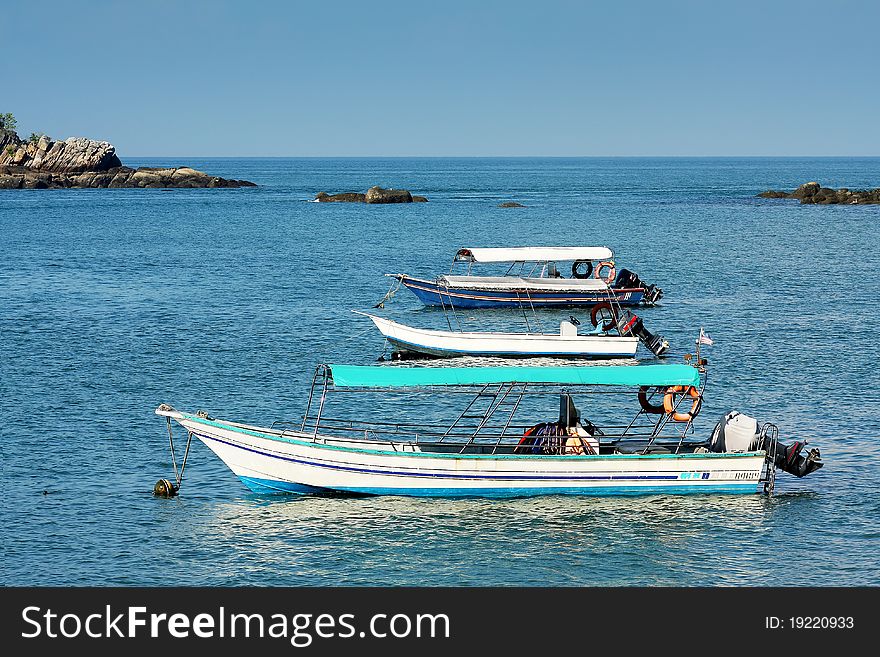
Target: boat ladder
pixel 769 439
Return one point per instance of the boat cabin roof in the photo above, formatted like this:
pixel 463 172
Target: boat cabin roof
pixel 383 376
pixel 534 254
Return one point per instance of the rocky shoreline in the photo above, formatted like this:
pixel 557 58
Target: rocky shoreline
pixel 814 193
pixel 77 162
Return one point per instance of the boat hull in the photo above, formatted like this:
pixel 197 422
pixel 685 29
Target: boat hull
pixel 431 293
pixel 511 345
pixel 270 462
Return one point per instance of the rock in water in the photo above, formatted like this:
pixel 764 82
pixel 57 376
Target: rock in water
pixel 373 195
pixel 813 193
pixel 805 190
pixel 344 197
pixel 510 204
pixel 379 195
pixel 78 162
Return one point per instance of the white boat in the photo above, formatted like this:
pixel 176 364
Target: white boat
pixel 567 344
pixel 533 276
pixel 488 450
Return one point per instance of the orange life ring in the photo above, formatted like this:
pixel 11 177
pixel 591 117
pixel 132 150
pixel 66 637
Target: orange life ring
pixel 612 272
pixel 669 402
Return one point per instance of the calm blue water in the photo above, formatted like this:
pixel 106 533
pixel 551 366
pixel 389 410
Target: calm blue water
pixel 114 301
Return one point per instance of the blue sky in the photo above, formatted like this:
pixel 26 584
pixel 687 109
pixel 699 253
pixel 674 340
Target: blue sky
pixel 447 78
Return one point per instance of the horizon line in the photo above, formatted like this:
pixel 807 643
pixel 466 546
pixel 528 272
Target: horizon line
pixel 498 157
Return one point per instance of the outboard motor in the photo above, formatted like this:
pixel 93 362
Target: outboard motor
pixel 736 432
pixel 631 324
pixel 652 295
pixel 628 279
pixel 790 459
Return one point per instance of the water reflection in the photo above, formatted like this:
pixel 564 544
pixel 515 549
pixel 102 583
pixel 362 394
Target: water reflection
pixel 548 540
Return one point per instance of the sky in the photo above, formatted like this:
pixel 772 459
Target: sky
pixel 450 78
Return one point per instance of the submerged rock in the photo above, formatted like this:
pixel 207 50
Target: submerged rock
pixel 814 193
pixel 78 162
pixel 510 204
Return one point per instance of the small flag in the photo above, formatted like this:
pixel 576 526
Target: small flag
pixel 705 339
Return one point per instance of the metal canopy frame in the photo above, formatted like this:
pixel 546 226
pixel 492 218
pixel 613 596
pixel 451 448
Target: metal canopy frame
pixel 488 417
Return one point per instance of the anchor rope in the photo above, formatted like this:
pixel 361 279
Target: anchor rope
pixel 171 445
pixel 389 294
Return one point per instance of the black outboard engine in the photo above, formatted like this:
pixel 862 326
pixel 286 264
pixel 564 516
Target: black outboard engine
pixel 652 295
pixel 736 432
pixel 630 324
pixel 790 459
pixel 628 279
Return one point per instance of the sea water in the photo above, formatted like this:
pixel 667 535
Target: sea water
pixel 114 301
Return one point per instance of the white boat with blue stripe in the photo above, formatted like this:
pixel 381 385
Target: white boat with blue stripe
pixel 567 343
pixel 487 450
pixel 532 276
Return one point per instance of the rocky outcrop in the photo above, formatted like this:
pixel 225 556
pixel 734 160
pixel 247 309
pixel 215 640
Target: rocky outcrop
pixel 511 204
pixel 379 195
pixel 373 195
pixel 814 193
pixel 176 177
pixel 344 197
pixel 73 155
pixel 78 162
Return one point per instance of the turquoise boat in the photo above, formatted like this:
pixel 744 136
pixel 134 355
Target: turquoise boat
pixel 518 431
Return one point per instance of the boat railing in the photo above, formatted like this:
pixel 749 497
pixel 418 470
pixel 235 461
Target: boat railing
pixel 403 427
pixel 488 416
pixel 495 435
pixel 487 444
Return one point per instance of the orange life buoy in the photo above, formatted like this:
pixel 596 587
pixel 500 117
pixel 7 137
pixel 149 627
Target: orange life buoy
pixel 612 272
pixel 669 402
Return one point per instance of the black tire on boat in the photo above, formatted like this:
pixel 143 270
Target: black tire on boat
pixel 647 406
pixel 575 269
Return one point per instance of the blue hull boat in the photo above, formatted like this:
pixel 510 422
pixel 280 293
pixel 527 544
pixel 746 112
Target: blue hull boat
pixel 440 293
pixel 533 278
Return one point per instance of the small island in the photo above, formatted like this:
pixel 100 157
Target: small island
pixel 44 163
pixel 813 192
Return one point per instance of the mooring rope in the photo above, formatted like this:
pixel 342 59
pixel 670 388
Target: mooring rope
pixel 185 456
pixel 389 294
pixel 171 443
